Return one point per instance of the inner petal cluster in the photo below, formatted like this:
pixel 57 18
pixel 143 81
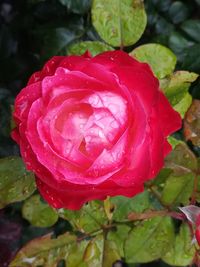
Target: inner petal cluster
pixel 87 130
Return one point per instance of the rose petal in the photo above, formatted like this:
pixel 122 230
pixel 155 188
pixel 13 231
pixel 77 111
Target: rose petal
pixel 24 100
pixel 170 120
pixel 73 198
pixel 48 69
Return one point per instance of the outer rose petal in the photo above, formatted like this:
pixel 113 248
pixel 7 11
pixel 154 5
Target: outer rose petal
pixel 48 69
pixel 156 143
pixel 170 120
pixel 111 59
pixel 25 99
pixel 73 198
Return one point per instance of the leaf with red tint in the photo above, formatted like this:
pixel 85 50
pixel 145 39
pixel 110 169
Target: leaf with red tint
pixel 192 123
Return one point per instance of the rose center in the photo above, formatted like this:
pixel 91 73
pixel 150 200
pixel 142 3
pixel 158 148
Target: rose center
pixel 92 124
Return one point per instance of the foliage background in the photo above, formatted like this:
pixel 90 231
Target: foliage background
pixel 31 31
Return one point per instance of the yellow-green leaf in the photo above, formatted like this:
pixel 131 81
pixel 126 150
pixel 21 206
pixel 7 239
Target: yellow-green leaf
pixel 119 22
pixel 161 59
pixel 39 213
pixel 16 183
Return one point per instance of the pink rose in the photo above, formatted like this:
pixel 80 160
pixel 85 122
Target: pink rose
pixel 93 127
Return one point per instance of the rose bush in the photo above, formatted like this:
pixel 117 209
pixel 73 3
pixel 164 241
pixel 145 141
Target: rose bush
pixel 93 127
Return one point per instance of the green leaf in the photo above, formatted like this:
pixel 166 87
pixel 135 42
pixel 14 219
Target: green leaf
pixel 178 189
pixel 192 28
pixel 160 58
pixel 89 218
pixel 181 158
pixel 176 88
pixel 183 105
pixel 93 47
pixel 76 252
pixel 16 183
pixel 173 141
pixel 123 206
pixel 179 185
pixel 182 252
pixel 39 213
pixel 119 236
pixel 149 240
pixel 191 60
pixel 110 254
pixel 178 12
pixel 98 252
pixel 177 42
pixel 44 251
pixel 77 6
pixel 121 22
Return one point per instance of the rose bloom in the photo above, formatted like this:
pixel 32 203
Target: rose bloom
pixel 92 127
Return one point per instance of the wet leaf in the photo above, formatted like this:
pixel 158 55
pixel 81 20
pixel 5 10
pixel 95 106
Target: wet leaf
pixel 179 184
pixel 39 213
pixel 192 123
pixel 176 88
pixel 123 206
pixel 98 252
pixel 16 183
pixel 161 59
pixel 149 240
pixel 119 236
pixel 178 189
pixel 44 251
pixel 89 218
pixel 119 23
pixel 181 252
pixel 93 47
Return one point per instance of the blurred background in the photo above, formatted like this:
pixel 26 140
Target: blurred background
pixel 32 31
